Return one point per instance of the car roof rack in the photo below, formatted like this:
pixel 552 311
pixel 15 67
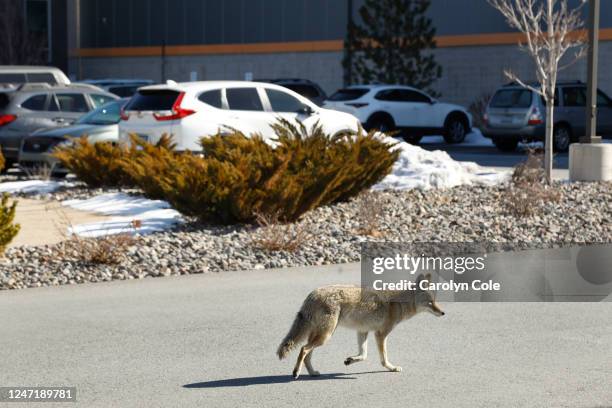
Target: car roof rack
pixel 83 85
pixel 302 80
pixel 28 86
pixel 577 81
pixel 534 83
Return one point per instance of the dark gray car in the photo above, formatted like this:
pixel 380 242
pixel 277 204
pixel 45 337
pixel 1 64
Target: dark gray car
pixel 517 114
pixel 99 125
pixel 29 107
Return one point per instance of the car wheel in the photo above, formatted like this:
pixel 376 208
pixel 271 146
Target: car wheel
pixel 382 123
pixel 8 163
pixel 454 130
pixel 562 138
pixel 505 144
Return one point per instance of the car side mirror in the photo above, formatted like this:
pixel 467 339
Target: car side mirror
pixel 433 101
pixel 305 110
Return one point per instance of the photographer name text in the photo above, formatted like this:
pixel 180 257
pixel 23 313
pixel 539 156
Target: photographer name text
pixel 451 285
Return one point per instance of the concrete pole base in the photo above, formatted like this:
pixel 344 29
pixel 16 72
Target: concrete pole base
pixel 590 162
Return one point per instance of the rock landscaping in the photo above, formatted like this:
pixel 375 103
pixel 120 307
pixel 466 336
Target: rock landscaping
pixel 327 235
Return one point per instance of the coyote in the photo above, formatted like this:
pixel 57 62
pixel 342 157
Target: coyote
pixel 358 309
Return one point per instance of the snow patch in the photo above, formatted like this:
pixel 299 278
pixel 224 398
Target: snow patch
pixel 422 169
pixel 32 186
pixel 474 138
pixel 128 211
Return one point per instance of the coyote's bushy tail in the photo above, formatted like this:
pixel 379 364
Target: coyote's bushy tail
pixel 297 334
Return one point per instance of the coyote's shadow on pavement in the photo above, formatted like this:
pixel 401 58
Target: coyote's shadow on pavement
pixel 273 379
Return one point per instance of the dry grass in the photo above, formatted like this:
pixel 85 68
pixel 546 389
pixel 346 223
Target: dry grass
pixel 105 250
pixel 530 171
pixel 529 191
pixel 42 172
pixel 273 235
pixel 478 108
pixel 370 210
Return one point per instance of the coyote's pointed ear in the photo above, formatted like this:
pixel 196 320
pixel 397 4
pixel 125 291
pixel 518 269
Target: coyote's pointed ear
pixel 419 279
pixel 422 277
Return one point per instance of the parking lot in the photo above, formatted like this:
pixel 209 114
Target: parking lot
pixel 489 156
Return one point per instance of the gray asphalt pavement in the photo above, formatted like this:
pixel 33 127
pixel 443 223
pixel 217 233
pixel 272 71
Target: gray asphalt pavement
pixel 210 341
pixel 490 156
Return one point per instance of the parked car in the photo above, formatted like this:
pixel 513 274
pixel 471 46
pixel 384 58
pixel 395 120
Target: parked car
pixel 516 114
pixel 120 87
pixel 30 107
pixel 191 110
pixel 410 112
pixel 24 74
pixel 99 125
pixel 304 87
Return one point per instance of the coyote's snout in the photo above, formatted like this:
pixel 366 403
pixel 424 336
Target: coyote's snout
pixel 362 310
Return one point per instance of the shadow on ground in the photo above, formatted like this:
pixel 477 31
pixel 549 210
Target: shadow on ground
pixel 273 379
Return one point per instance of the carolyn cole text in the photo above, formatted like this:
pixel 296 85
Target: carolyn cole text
pixel 437 286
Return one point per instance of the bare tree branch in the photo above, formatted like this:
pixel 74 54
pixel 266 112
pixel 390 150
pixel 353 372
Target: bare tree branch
pixel 551 29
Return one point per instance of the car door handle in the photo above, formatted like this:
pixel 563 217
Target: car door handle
pixel 59 120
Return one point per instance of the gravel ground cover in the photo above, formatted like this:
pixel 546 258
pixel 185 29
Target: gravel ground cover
pixel 328 235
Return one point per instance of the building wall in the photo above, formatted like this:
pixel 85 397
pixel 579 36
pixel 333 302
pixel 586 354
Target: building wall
pixel 59 39
pixel 468 72
pixel 115 31
pixel 134 23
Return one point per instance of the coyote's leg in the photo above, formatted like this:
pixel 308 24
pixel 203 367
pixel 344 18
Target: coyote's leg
pixel 300 361
pixel 309 367
pixel 381 341
pixel 317 338
pixel 362 342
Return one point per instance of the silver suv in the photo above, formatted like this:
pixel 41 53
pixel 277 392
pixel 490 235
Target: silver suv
pixel 517 114
pixel 23 74
pixel 30 107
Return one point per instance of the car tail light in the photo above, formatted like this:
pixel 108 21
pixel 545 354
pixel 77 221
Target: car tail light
pixel 177 111
pixel 357 105
pixel 535 118
pixel 123 114
pixel 6 119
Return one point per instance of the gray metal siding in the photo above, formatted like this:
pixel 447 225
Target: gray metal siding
pixel 123 23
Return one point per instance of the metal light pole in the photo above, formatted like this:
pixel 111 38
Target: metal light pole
pixel 348 69
pixel 591 117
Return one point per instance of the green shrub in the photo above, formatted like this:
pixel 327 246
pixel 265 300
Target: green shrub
pixel 144 161
pixel 96 164
pixel 239 177
pixel 106 164
pixel 8 229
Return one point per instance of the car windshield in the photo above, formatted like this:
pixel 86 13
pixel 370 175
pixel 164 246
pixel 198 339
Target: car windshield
pixel 348 94
pixel 108 114
pixel 511 98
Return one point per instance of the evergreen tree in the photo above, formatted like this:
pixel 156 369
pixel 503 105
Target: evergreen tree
pixel 8 229
pixel 390 44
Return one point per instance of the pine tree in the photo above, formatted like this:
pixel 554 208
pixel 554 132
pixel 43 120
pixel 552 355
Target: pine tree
pixel 8 229
pixel 390 44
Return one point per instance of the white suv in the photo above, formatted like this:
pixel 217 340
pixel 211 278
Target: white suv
pixel 191 110
pixel 411 112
